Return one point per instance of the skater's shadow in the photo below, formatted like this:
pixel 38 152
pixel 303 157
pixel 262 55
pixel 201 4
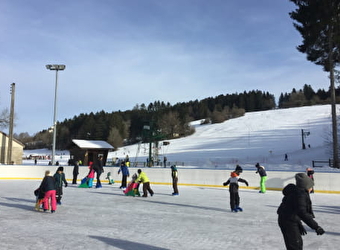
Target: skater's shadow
pixel 18 199
pixel 326 209
pixel 185 205
pixel 333 233
pixel 125 244
pixel 320 209
pixel 20 206
pixel 18 203
pixel 116 194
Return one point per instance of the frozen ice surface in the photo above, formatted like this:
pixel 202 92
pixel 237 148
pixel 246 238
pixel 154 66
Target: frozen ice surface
pixel 199 218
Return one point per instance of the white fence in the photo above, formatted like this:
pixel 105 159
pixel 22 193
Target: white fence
pixel 324 182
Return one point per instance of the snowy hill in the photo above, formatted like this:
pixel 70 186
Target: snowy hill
pixel 263 137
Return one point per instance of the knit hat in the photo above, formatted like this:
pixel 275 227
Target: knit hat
pixel 238 168
pixel 303 181
pixel 60 169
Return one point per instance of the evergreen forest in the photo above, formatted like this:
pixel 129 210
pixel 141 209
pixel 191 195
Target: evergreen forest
pixel 162 121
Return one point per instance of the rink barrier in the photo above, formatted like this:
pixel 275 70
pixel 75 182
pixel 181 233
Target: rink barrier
pixel 210 178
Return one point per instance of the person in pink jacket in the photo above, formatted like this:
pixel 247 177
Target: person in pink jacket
pixel 90 176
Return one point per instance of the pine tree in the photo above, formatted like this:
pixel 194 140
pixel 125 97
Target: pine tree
pixel 318 22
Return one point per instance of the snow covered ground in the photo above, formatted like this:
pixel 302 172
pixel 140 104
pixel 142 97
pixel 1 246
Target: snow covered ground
pixel 198 219
pixel 263 137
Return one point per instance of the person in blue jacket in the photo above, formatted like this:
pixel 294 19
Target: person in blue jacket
pixel 125 174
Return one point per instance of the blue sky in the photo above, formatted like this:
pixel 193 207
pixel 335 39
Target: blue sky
pixel 120 53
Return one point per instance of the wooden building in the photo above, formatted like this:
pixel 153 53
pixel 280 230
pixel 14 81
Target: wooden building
pixel 17 150
pixel 89 150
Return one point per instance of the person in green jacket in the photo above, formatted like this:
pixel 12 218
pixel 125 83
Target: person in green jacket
pixel 142 178
pixel 59 177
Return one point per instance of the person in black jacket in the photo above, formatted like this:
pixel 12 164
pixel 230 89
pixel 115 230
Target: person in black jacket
pixel 174 176
pixel 296 206
pixel 75 171
pixel 47 186
pixel 233 189
pixel 263 175
pixel 310 174
pixel 98 168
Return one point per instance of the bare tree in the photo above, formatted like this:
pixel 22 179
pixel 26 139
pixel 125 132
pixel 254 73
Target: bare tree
pixel 4 118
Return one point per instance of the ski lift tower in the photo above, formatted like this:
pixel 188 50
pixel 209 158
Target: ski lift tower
pixel 304 134
pixel 153 136
pixel 147 127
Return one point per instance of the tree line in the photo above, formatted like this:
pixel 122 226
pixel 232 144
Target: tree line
pixel 306 97
pixel 162 121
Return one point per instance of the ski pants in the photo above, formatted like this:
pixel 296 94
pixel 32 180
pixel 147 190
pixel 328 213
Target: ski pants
pixel 291 234
pixel 124 178
pixel 98 173
pixel 90 182
pixel 146 189
pixel 50 195
pixel 59 193
pixel 234 200
pixel 174 184
pixel 74 181
pixel 263 184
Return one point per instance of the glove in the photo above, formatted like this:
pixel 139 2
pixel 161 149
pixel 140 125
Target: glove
pixel 302 230
pixel 224 184
pixel 247 183
pixel 319 231
pixel 66 184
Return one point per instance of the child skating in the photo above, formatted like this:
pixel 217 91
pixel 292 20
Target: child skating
pixel 87 182
pixel 39 199
pixel 233 189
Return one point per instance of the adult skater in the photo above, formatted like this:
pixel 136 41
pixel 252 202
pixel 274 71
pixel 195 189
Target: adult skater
pixel 296 206
pixel 310 174
pixel 75 171
pixel 98 168
pixel 125 174
pixel 174 176
pixel 263 175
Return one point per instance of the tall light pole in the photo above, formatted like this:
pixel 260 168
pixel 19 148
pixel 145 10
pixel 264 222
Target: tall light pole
pixel 55 67
pixel 11 125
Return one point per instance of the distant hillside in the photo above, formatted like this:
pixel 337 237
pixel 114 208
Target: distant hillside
pixel 263 137
pixel 167 121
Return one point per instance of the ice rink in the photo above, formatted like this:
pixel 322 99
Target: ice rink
pixel 199 218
